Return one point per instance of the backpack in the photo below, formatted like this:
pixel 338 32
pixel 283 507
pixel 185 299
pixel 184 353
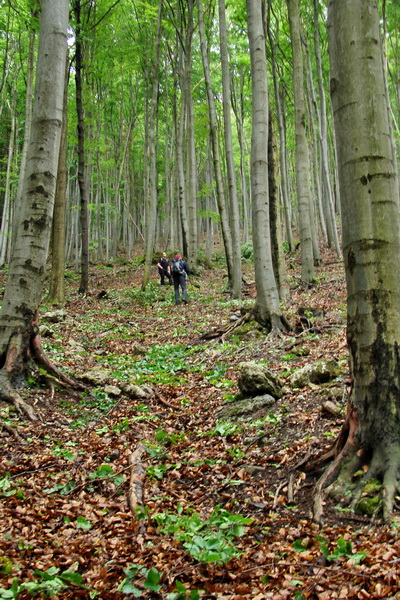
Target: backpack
pixel 178 267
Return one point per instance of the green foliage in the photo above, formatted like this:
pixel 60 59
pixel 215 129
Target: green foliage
pixel 150 295
pixel 6 565
pixel 168 439
pixel 63 453
pixel 150 579
pixel 225 428
pixel 61 488
pixel 181 593
pixel 82 523
pixel 209 540
pixel 209 214
pixel 247 251
pixel 7 487
pixel 48 584
pixel 216 376
pixel 344 549
pixel 107 472
pixel 163 364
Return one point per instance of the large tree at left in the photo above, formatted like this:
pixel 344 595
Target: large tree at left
pixel 19 338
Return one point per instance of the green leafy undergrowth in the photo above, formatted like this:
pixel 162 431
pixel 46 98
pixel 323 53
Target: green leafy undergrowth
pixel 342 550
pixel 138 577
pixel 210 540
pixel 47 584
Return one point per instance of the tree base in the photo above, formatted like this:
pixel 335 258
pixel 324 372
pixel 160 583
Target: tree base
pixel 356 472
pixel 22 355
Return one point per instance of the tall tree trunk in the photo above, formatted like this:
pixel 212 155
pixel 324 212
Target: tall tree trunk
pixel 278 259
pixel 281 127
pixel 191 187
pixel 226 234
pixel 323 140
pixel 152 199
pixel 19 339
pixel 56 281
pixel 369 194
pixel 28 115
pixel 302 154
pixel 230 164
pixel 238 109
pixel 5 230
pixel 84 214
pixel 267 307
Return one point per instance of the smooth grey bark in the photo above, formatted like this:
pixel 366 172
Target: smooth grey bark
pixel 152 190
pixel 328 203
pixel 281 128
pixel 278 259
pixel 239 112
pixel 56 294
pixel 83 208
pixel 191 149
pixel 369 196
pixel 28 115
pixel 219 188
pixel 24 287
pixel 267 306
pixel 302 153
pixel 7 214
pixel 230 164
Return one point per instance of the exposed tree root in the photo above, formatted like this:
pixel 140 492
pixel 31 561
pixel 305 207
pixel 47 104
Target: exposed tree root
pixel 24 351
pixel 42 361
pixel 12 432
pixel 277 324
pixel 341 479
pixel 9 394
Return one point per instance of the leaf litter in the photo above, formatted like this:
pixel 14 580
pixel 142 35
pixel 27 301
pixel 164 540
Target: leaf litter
pixel 226 508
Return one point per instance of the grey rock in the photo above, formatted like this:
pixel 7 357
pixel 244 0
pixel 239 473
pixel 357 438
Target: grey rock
pixel 55 316
pixel 245 407
pixel 321 371
pixel 255 379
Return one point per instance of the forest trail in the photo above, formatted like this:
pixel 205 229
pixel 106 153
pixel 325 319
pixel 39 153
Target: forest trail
pixel 226 508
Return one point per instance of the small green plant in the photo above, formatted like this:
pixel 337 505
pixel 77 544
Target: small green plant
pixel 6 565
pixel 150 295
pixel 209 540
pixel 121 426
pixel 168 439
pixel 48 584
pixel 216 376
pixel 61 452
pixel 157 471
pixel 82 523
pixel 107 472
pixel 247 251
pixel 181 593
pixel 150 579
pixel 344 549
pixel 7 488
pixel 290 356
pixel 236 453
pixel 225 428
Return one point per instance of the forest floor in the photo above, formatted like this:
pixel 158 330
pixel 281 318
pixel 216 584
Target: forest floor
pixel 226 510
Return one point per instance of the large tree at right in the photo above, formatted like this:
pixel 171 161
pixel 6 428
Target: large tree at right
pixel 369 194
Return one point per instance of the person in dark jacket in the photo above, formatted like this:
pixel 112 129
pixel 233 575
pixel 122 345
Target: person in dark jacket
pixel 164 269
pixel 180 272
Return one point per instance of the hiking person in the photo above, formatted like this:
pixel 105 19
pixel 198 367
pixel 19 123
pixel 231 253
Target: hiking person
pixel 180 272
pixel 164 269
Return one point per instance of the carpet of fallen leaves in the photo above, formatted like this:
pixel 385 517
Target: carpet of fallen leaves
pixel 87 526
